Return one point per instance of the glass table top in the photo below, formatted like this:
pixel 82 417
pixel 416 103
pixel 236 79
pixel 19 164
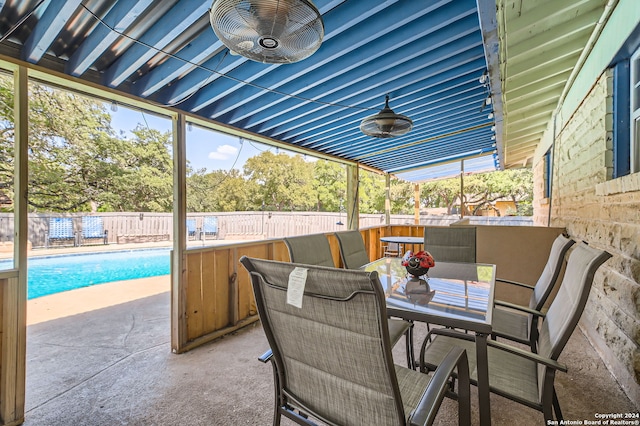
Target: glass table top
pixel 452 294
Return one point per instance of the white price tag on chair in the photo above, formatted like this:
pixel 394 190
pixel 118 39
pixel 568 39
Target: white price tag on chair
pixel 295 291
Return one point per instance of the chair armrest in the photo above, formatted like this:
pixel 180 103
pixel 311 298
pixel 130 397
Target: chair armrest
pixel 444 332
pixel 530 287
pixel 427 408
pixel 451 333
pixel 519 308
pixel 266 357
pixel 529 355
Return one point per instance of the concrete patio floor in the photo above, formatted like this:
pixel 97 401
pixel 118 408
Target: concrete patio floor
pixel 101 356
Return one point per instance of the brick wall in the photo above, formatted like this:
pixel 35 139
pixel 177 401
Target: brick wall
pixel 604 212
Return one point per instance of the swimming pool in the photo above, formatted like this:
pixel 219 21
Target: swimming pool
pixel 55 274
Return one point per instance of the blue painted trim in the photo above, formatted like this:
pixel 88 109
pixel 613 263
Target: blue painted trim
pixel 548 169
pixel 621 114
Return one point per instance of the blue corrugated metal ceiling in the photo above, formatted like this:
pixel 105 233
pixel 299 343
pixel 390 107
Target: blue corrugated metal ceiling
pixel 427 55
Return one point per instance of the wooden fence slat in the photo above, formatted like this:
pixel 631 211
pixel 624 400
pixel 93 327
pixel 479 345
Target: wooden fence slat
pixel 222 289
pixel 194 302
pixel 245 292
pixel 210 284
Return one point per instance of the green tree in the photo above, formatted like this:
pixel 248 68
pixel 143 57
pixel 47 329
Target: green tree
pixel 330 185
pixel 222 191
pixel 513 184
pixel 401 196
pixel 280 181
pixel 145 179
pixel 441 193
pixel 77 162
pixel 6 138
pixel 71 150
pixel 483 190
pixel 371 192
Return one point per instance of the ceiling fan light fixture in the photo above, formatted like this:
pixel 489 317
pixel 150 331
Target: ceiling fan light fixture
pixel 269 31
pixel 386 123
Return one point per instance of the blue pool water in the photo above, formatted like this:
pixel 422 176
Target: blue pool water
pixel 54 274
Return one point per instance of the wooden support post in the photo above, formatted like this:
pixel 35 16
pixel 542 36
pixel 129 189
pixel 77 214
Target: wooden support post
pixel 416 204
pixel 353 199
pixel 387 199
pixel 14 295
pixel 178 265
pixel 461 188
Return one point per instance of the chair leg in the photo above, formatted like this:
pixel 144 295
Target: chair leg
pixel 409 346
pixel 556 405
pixel 464 391
pixel 276 392
pixel 533 336
pixel 416 364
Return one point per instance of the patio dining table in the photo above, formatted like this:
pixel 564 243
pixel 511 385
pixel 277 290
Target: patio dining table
pixel 458 295
pixel 402 241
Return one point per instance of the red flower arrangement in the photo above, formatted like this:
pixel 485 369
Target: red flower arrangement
pixel 421 259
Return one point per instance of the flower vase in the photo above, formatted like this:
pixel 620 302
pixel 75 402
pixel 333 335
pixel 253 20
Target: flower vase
pixel 418 290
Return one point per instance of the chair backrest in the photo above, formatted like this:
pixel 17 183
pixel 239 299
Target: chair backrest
pixel 92 227
pixel 392 249
pixel 451 244
pixel 352 249
pixel 567 307
pixel 210 225
pixel 310 250
pixel 550 273
pixel 60 227
pixel 334 353
pixel 191 226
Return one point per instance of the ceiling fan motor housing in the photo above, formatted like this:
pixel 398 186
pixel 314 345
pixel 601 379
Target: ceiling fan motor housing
pixel 269 31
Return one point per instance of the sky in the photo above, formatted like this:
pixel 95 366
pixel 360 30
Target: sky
pixel 205 148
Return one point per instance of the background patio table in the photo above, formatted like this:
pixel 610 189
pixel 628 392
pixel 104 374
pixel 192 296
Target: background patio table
pixel 403 241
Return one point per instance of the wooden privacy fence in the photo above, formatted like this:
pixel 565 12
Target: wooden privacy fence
pixel 120 227
pixel 145 227
pixel 219 299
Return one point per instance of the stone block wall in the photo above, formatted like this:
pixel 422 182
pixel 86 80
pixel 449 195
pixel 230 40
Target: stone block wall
pixel 604 212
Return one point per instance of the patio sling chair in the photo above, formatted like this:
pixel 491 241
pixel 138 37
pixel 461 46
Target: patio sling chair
pixel 331 354
pixel 61 231
pixel 352 250
pixel 315 250
pixel 451 244
pixel 93 229
pixel 191 229
pixel 210 227
pixel 310 249
pixel 354 255
pixel 520 323
pixel 391 249
pixel 518 374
